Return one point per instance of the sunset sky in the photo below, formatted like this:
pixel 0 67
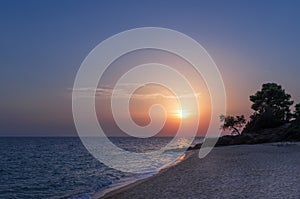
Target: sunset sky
pixel 43 43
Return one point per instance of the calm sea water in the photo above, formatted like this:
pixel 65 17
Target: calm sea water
pixel 63 168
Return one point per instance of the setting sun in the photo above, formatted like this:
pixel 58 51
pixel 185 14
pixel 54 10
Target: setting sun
pixel 181 113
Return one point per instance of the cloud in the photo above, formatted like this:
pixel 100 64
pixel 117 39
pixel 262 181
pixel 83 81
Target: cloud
pixel 123 91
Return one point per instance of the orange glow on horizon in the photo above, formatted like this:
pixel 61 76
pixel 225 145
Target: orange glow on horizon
pixel 142 100
pixel 180 114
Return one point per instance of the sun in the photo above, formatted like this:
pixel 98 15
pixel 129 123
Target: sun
pixel 181 113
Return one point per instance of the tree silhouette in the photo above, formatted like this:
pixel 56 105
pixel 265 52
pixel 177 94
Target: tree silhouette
pixel 297 111
pixel 233 123
pixel 272 100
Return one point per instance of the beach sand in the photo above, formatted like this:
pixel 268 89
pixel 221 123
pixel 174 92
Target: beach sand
pixel 245 171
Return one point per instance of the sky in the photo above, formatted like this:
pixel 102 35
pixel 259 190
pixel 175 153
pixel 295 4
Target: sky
pixel 43 43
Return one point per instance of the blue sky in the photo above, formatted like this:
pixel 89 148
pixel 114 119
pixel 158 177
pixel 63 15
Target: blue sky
pixel 42 44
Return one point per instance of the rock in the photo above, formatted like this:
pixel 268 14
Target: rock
pixel 225 140
pixel 197 146
pixel 293 134
pixel 289 132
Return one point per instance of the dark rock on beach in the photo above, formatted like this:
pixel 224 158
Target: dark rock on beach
pixel 289 132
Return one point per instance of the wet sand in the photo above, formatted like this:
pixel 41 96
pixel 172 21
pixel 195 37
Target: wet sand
pixel 245 171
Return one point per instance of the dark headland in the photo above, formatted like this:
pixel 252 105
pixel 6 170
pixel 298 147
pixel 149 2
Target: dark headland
pixel 271 121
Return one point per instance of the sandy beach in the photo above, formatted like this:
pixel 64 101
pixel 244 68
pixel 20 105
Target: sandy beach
pixel 245 171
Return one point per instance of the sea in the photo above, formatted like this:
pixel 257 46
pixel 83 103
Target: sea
pixel 61 167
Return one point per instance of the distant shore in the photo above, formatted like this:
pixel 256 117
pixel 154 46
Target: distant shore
pixel 244 171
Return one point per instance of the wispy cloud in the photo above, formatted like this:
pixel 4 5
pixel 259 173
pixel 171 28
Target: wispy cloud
pixel 123 92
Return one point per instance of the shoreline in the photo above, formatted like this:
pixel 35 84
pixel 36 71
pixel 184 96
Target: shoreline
pixel 117 189
pixel 189 179
pixel 111 190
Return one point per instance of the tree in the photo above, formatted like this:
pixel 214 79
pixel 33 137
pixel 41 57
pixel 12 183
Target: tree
pixel 297 111
pixel 233 123
pixel 272 99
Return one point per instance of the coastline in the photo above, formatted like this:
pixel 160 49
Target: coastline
pixel 110 191
pixel 119 187
pixel 230 171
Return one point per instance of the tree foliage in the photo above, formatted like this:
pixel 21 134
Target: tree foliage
pixel 272 99
pixel 233 123
pixel 297 111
